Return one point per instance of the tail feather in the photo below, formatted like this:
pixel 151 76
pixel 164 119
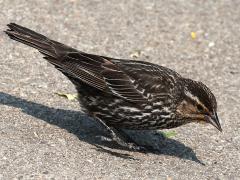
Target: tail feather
pixel 26 31
pixel 42 43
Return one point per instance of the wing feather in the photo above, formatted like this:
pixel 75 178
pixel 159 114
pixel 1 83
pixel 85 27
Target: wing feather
pixel 99 73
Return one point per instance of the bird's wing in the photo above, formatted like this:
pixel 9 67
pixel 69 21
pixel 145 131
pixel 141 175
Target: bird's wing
pixel 100 73
pixel 152 80
pixel 81 67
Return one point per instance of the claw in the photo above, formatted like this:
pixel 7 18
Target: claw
pixel 137 148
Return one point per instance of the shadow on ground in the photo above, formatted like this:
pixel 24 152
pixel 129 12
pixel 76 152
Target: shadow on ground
pixel 88 130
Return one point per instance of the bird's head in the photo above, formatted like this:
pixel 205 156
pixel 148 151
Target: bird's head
pixel 198 104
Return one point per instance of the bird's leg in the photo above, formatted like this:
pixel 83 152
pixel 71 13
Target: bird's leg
pixel 121 137
pixel 129 139
pixel 123 134
pixel 125 140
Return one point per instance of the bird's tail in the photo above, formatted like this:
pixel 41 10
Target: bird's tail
pixel 33 39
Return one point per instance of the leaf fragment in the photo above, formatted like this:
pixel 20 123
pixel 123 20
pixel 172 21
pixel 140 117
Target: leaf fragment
pixel 169 134
pixel 70 97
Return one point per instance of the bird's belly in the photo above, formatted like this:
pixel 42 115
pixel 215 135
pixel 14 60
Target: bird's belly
pixel 128 116
pixel 119 113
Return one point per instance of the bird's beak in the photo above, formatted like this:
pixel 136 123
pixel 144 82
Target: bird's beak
pixel 213 119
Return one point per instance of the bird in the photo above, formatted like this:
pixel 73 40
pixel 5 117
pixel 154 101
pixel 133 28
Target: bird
pixel 126 94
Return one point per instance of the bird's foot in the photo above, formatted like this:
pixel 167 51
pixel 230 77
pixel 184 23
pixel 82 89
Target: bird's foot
pixel 127 145
pixel 136 147
pixel 130 145
pixel 103 138
pixel 121 138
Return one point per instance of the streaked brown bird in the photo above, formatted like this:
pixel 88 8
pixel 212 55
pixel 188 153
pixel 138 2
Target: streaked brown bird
pixel 126 93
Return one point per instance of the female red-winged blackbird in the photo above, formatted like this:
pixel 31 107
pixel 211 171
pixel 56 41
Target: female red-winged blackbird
pixel 126 93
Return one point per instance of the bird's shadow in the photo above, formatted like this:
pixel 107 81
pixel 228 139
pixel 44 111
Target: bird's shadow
pixel 89 130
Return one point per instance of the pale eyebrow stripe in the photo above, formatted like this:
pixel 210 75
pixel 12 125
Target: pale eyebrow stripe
pixel 194 98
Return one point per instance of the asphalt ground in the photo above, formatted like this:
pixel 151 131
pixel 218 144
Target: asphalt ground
pixel 45 136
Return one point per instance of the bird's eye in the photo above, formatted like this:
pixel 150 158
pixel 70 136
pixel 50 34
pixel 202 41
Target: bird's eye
pixel 199 107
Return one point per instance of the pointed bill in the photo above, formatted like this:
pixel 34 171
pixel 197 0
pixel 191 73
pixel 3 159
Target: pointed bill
pixel 214 121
